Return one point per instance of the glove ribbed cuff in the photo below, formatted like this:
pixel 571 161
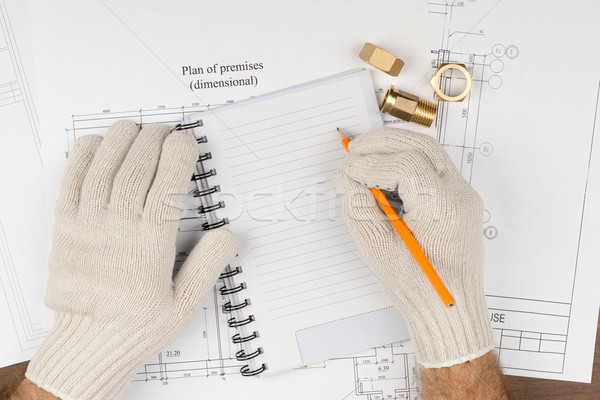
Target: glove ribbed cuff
pixel 444 337
pixel 81 360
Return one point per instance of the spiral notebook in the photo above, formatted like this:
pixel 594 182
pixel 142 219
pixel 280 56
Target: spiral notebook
pixel 298 292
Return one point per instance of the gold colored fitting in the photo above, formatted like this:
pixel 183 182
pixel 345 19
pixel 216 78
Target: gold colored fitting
pixel 408 107
pixel 381 59
pixel 435 82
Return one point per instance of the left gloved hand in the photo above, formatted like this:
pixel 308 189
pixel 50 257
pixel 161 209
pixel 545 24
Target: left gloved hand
pixel 110 282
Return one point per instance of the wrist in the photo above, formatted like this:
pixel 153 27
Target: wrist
pixel 28 390
pixel 480 378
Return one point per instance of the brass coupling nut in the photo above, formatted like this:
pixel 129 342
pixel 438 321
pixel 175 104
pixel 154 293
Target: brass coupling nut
pixel 435 82
pixel 408 107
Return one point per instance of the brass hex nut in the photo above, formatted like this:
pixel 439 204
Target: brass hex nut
pixel 381 59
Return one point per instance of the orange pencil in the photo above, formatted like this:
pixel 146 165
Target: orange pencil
pixel 408 239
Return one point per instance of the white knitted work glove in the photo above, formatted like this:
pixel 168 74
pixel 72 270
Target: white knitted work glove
pixel 445 216
pixel 110 271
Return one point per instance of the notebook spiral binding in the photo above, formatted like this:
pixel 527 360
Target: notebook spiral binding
pixel 234 322
pixel 228 307
pixel 204 191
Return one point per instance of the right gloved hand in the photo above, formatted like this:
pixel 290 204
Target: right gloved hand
pixel 444 214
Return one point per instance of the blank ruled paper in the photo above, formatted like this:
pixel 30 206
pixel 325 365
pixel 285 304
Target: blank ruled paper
pixel 275 157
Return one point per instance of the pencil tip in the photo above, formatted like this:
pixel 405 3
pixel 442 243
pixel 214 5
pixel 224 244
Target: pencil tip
pixel 341 134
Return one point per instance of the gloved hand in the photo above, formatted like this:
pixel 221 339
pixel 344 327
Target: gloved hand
pixel 110 280
pixel 445 215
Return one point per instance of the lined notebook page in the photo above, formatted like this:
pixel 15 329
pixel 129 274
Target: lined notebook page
pixel 276 156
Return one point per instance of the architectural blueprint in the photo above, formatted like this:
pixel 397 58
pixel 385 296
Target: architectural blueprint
pixel 524 138
pixel 518 142
pixel 532 326
pixel 23 227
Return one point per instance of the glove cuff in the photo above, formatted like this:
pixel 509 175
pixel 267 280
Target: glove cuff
pixel 444 337
pixel 81 359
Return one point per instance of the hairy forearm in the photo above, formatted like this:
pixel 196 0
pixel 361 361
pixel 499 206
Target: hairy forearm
pixel 26 390
pixel 479 379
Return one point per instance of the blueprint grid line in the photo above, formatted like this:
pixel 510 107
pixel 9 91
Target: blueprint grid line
pixel 21 83
pixel 5 253
pixel 583 206
pixel 17 102
pixel 31 330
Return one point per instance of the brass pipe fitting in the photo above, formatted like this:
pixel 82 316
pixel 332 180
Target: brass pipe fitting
pixel 408 107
